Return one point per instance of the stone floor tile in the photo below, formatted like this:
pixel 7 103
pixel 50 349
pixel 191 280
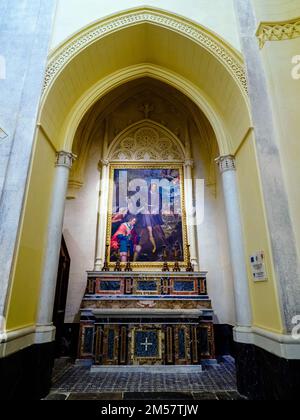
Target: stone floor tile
pixel 99 396
pixel 204 396
pixel 156 396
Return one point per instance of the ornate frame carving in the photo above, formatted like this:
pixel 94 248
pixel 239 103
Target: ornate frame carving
pixel 220 50
pixel 145 165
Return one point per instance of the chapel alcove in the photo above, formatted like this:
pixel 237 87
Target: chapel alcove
pixel 146 105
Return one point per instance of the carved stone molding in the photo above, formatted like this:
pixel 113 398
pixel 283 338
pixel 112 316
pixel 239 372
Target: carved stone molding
pixel 146 142
pixel 65 159
pixel 226 163
pixel 278 31
pixel 219 50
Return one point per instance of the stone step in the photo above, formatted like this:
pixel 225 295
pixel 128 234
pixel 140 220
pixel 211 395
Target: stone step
pixel 147 369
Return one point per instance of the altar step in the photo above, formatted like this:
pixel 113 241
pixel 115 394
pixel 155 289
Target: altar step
pixel 184 369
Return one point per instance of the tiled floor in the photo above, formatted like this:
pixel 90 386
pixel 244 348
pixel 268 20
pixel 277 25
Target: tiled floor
pixel 149 396
pixel 76 382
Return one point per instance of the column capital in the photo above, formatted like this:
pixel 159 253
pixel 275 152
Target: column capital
pixel 226 163
pixel 65 159
pixel 189 163
pixel 102 163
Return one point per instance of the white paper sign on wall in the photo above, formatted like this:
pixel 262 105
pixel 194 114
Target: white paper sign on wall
pixel 258 266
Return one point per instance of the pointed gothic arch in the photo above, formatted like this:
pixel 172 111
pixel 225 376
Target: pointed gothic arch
pixel 196 43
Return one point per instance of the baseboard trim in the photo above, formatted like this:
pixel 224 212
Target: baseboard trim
pixel 13 341
pixel 281 345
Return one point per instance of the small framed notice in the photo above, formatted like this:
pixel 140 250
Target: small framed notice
pixel 258 266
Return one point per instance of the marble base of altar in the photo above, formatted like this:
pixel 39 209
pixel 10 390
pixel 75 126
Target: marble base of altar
pixel 138 319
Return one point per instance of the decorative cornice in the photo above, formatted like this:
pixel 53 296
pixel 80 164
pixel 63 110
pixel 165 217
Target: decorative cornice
pixel 278 31
pixel 72 47
pixel 65 159
pixel 226 163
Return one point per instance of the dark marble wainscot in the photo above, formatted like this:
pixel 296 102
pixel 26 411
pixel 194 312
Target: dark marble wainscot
pixel 26 375
pixel 264 376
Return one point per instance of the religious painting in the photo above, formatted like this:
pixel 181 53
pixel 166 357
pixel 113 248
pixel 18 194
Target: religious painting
pixel 146 222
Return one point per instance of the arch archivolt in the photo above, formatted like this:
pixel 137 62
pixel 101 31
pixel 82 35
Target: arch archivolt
pixel 105 86
pixel 63 124
pixel 222 51
pixel 142 120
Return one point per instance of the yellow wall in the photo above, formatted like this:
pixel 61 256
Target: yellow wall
pixel 22 308
pixel 285 96
pixel 264 299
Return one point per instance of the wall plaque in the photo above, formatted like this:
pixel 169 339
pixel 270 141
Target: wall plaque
pixel 258 267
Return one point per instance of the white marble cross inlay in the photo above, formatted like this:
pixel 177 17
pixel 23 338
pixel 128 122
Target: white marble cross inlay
pixel 146 344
